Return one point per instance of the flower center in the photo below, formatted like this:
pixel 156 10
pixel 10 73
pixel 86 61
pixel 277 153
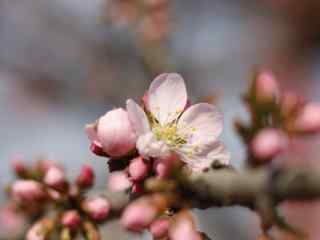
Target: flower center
pixel 169 134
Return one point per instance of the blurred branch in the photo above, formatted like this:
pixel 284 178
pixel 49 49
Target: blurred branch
pixel 227 187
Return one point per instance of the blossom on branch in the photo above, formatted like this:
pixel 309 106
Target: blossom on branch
pixel 169 128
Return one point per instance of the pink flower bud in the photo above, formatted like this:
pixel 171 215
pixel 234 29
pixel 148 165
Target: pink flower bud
pixel 184 228
pixel 45 165
pixel 71 219
pixel 118 181
pixel 160 227
pixel 40 230
pixel 138 215
pixel 54 195
pixel 98 208
pixel 137 188
pixel 290 102
pixel 55 178
pixel 86 177
pixel 11 223
pixel 97 149
pixel 114 132
pixel 27 191
pixel 268 143
pixel 267 88
pixel 36 233
pixel 138 169
pixel 309 119
pixel 19 166
pixel 163 166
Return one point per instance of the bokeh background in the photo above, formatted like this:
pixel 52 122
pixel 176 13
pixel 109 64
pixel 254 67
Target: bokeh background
pixel 64 63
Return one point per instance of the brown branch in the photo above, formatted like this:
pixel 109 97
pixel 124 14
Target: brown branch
pixel 227 187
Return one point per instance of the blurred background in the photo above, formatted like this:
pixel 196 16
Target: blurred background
pixel 64 63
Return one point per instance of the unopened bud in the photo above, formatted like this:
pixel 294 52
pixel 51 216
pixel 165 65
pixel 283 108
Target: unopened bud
pixel 98 208
pixel 91 231
pixel 163 166
pixel 97 149
pixel 71 219
pixel 308 120
pixel 40 230
pixel 184 228
pixel 138 169
pixel 138 216
pixel 118 181
pixel 137 188
pixel 86 177
pixel 19 166
pixel 267 89
pixel 160 227
pixel 27 191
pixel 268 144
pixel 114 133
pixel 45 165
pixel 141 213
pixel 55 178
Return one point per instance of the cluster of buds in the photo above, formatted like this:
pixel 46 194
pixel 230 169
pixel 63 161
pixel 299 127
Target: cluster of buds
pixel 151 17
pixel 151 213
pixel 276 117
pixel 53 205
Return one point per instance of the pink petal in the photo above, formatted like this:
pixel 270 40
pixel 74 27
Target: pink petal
pixel 205 157
pixel 91 132
pixel 138 118
pixel 167 97
pixel 203 123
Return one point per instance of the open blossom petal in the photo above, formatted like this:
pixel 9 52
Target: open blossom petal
pixel 201 158
pixel 202 123
pixel 167 97
pixel 138 118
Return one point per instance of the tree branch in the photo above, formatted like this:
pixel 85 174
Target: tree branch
pixel 225 187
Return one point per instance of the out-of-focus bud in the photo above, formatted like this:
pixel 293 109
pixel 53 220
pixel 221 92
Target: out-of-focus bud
pixel 266 87
pixel 91 232
pixel 54 195
pixel 65 234
pixel 290 103
pixel 308 120
pixel 160 227
pixel 19 166
pixel 27 191
pixel 98 208
pixel 74 191
pixel 45 165
pixel 138 216
pixel 163 167
pixel 12 223
pixel 55 178
pixel 114 132
pixel 138 169
pixel 97 149
pixel 184 228
pixel 141 213
pixel 86 177
pixel 118 181
pixel 71 219
pixel 40 230
pixel 268 143
pixel 137 188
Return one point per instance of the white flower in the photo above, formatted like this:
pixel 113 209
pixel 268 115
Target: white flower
pixel 168 128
